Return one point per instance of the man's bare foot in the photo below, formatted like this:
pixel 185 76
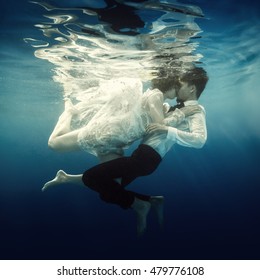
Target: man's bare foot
pixel 142 209
pixel 157 203
pixel 60 178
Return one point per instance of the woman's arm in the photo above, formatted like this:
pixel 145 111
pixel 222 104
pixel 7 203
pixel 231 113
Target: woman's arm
pixel 154 106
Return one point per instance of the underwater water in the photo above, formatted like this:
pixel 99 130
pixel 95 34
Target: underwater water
pixel 59 49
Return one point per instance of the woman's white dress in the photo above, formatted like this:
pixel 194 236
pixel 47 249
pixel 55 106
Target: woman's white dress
pixel 115 116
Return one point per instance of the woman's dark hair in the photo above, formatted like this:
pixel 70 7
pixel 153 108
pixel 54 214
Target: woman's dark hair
pixel 166 80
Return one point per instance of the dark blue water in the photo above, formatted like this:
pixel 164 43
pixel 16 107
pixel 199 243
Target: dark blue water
pixel 211 195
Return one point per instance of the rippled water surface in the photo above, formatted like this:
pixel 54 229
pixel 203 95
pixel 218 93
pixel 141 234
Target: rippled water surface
pixel 54 49
pixel 92 42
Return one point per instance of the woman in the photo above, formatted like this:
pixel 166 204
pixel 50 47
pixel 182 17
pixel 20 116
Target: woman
pixel 115 116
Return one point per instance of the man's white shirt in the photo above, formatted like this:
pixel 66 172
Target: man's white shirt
pixel 188 131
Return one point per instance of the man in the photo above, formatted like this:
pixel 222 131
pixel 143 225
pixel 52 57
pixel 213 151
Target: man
pixel 190 131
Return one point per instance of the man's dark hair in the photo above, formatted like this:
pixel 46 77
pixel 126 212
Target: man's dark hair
pixel 196 76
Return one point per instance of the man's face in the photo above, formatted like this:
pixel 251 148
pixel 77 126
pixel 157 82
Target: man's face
pixel 185 91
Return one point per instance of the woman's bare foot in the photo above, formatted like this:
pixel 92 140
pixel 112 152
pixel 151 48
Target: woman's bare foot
pixel 69 107
pixel 60 178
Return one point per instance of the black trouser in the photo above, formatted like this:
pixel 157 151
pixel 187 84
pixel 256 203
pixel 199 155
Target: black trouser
pixel 101 178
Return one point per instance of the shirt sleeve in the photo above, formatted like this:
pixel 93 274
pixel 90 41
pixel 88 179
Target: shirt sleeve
pixel 174 118
pixel 153 105
pixel 195 137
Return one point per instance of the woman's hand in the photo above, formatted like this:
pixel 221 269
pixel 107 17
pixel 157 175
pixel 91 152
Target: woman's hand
pixel 166 107
pixel 190 110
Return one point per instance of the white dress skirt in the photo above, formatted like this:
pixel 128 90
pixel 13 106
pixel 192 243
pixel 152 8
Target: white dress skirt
pixel 115 116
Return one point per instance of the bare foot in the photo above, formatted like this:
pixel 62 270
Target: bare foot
pixel 69 107
pixel 60 178
pixel 142 209
pixel 157 203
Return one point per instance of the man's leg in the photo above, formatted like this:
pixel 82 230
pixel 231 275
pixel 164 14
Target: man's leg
pixel 102 179
pixel 144 161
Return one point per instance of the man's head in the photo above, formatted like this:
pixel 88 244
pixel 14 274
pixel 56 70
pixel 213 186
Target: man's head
pixel 187 86
pixel 192 84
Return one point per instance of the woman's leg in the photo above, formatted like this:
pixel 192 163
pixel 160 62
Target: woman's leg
pixel 62 138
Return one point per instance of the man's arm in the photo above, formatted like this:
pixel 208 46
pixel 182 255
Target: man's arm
pixel 174 118
pixel 195 137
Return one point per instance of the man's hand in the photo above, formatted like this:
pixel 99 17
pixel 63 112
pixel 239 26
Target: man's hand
pixel 157 128
pixel 191 110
